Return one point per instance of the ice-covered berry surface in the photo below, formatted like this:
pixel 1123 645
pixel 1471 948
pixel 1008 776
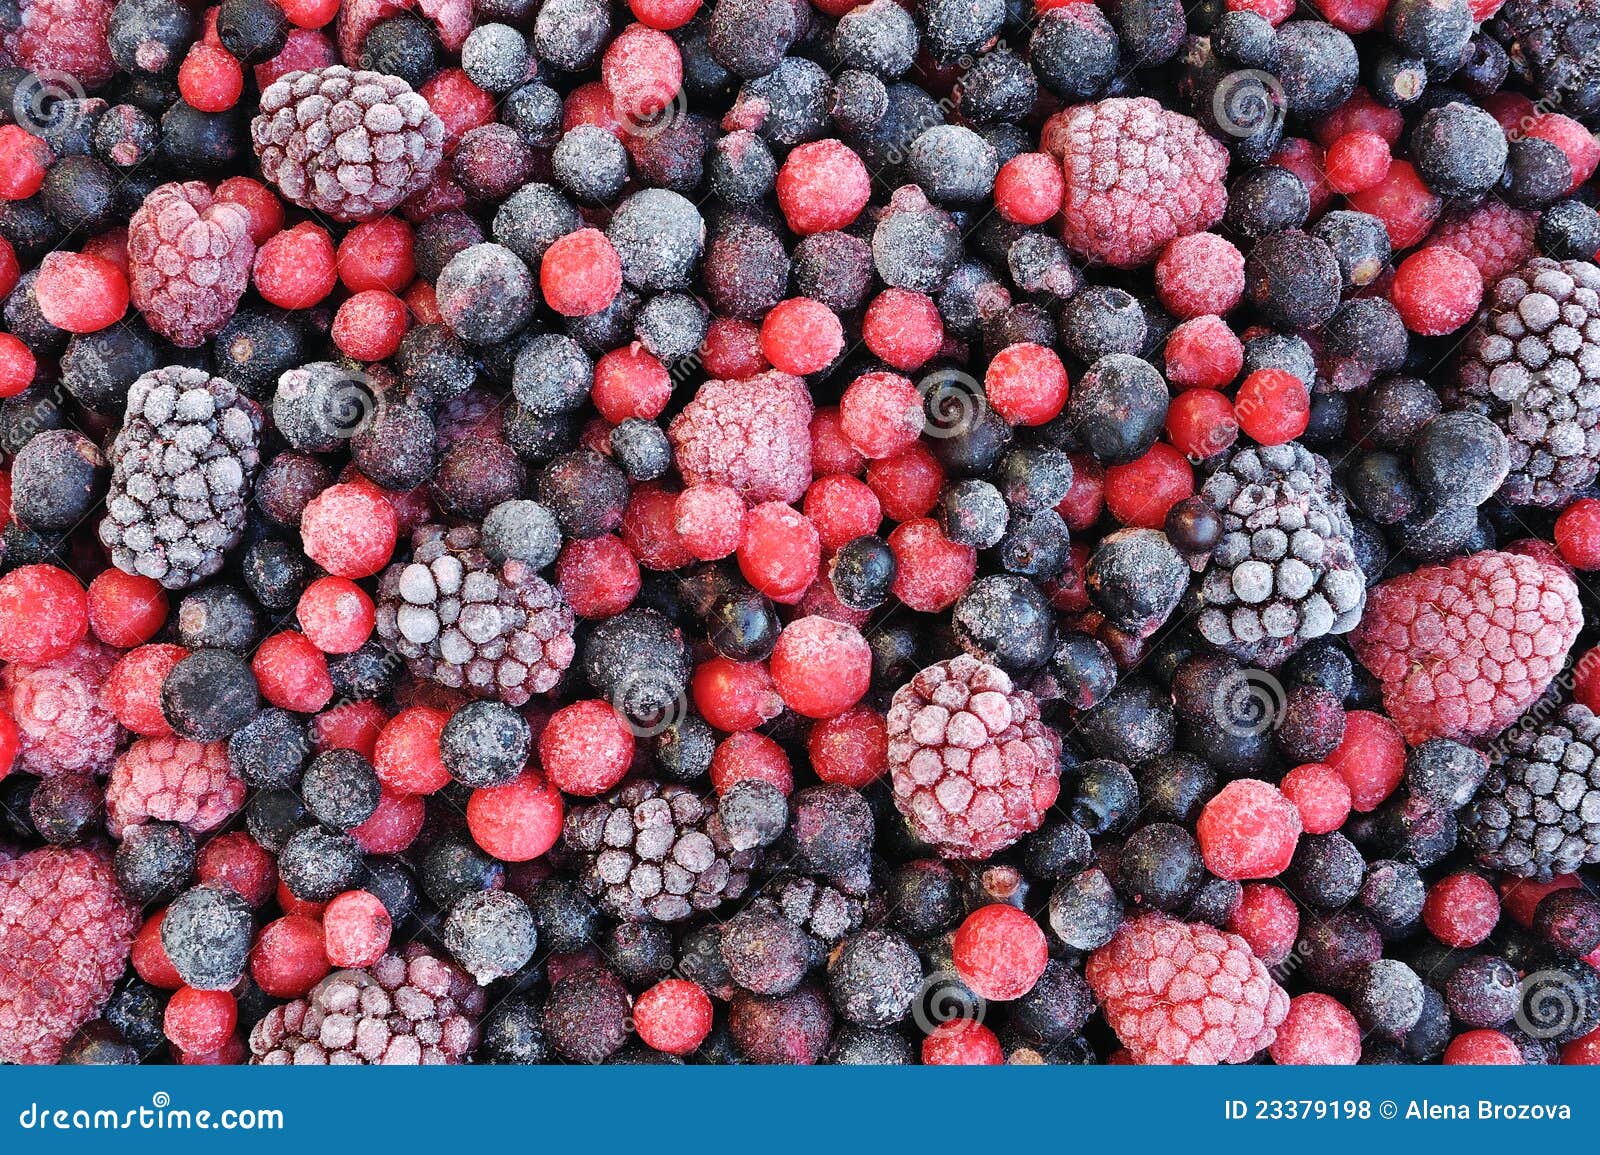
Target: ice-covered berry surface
pixel 799 531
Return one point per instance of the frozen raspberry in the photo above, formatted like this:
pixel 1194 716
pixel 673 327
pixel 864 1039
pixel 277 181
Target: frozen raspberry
pixel 1137 176
pixel 173 780
pixel 752 435
pixel 1179 992
pixel 1493 236
pixel 1463 648
pixel 64 724
pixel 189 259
pixel 60 36
pixel 973 767
pixel 65 932
pixel 351 144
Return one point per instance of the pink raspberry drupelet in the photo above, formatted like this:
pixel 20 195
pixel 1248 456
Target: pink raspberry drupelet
pixel 1178 992
pixel 1463 648
pixel 189 260
pixel 1137 176
pixel 973 767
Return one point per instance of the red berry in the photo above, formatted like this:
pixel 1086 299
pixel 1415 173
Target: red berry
pixel 821 667
pixel 831 451
pixel 393 825
pixel 734 696
pixel 674 1016
pixel 349 530
pixel 880 414
pixel 1356 161
pixel 780 551
pixel 580 273
pixel 377 254
pixel 1201 423
pixel 1482 1048
pixel 999 952
pixel 598 576
pixel 1203 353
pixel 850 749
pixel 1402 202
pixel 79 292
pixel 518 821
pixel 750 755
pixel 642 70
pixel 200 1020
pixel 355 929
pixel 709 520
pixel 10 269
pixel 132 689
pixel 238 862
pixel 1028 189
pixel 1576 141
pixel 1026 384
pixel 288 957
pixel 801 336
pixel 731 350
pixel 1275 12
pixel 932 571
pixel 44 613
pixel 1461 909
pixel 1320 794
pixel 1304 159
pixel 586 748
pixel 210 79
pixel 907 484
pixel 630 382
pixel 292 673
pixel 1086 497
pixel 17 366
pixel 1361 112
pixel 149 957
pixel 1141 492
pixel 1199 274
pixel 370 325
pixel 1319 1030
pixel 1268 919
pixel 306 49
pixel 258 201
pixel 902 328
pixel 296 268
pixel 962 1043
pixel 407 755
pixel 126 610
pixel 461 104
pixel 1354 16
pixel 309 13
pixel 335 614
pixel 822 186
pixel 664 14
pixel 350 726
pixel 647 529
pixel 1273 406
pixel 10 743
pixel 842 508
pixel 1436 290
pixel 1371 759
pixel 1248 830
pixel 23 161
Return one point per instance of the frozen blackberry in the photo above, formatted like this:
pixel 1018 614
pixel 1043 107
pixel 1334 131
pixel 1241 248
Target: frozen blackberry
pixel 672 325
pixel 1569 231
pixel 485 744
pixel 1537 813
pixel 206 933
pixel 1075 54
pixel 1118 408
pixel 1528 368
pixel 585 491
pixel 55 479
pixel 302 115
pixel 1005 620
pixel 1099 321
pixel 1537 173
pixel 218 616
pixel 495 631
pixel 485 294
pixel 999 86
pixel 642 449
pixel 655 851
pixel 474 475
pixel 834 268
pixel 269 750
pixel 491 933
pixel 181 472
pixel 659 237
pixel 253 31
pixel 1293 279
pixel 154 861
pixel 952 164
pixel 879 37
pixel 1264 200
pixel 340 789
pixel 210 695
pixel 590 163
pixel 1285 570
